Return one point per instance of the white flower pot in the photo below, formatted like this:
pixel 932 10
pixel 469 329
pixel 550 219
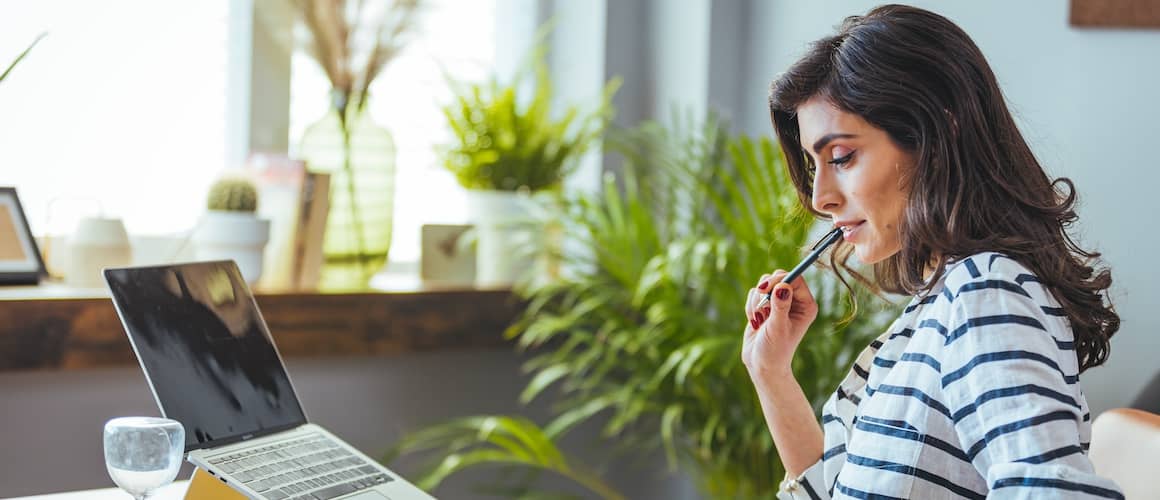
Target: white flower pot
pixel 237 236
pixel 501 221
pixel 96 244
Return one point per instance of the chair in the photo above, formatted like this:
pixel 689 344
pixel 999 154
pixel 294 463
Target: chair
pixel 1126 449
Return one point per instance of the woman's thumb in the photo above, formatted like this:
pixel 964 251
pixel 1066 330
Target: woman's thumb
pixel 782 296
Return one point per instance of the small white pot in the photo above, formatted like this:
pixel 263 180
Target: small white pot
pixel 237 236
pixel 96 244
pixel 501 221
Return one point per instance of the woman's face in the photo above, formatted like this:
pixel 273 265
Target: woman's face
pixel 858 178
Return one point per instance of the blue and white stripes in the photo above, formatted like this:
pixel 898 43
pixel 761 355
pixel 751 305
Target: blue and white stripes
pixel 972 393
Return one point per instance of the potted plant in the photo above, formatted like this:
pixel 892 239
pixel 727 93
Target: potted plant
pixel 643 330
pixel 508 146
pixel 230 229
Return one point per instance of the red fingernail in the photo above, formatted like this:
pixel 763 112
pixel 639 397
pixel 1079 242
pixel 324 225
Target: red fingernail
pixel 760 317
pixel 763 284
pixel 753 323
pixel 783 294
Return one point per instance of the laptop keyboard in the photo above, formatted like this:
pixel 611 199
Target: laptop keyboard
pixel 313 467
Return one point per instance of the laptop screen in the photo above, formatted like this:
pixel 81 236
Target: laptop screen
pixel 205 350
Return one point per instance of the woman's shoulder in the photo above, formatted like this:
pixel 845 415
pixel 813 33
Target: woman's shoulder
pixel 984 267
pixel 993 272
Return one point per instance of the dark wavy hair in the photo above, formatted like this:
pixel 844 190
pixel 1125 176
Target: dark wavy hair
pixel 976 185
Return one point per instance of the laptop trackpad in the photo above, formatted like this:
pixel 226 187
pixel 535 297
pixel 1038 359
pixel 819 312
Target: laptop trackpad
pixel 367 495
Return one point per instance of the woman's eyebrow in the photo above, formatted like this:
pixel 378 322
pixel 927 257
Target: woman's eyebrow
pixel 821 143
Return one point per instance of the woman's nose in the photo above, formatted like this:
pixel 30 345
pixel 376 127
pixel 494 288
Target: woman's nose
pixel 826 197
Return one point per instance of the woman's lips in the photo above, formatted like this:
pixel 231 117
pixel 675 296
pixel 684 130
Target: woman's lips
pixel 849 232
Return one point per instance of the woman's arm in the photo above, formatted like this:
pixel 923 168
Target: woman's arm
pixel 771 337
pixel 1012 392
pixel 791 421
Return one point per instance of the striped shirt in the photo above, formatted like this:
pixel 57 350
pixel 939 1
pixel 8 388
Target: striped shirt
pixel 973 392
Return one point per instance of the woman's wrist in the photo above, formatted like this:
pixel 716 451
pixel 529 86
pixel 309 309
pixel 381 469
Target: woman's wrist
pixel 772 378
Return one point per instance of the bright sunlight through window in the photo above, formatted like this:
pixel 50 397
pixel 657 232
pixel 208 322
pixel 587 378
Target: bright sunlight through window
pixel 120 108
pixel 455 36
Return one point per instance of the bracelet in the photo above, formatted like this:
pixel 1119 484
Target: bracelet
pixel 789 485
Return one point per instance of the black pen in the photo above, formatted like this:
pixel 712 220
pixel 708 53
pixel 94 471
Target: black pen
pixel 829 239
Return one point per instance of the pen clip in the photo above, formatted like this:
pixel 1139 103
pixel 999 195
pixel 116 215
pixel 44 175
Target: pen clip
pixel 825 238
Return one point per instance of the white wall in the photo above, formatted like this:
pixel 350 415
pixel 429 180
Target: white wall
pixel 1087 100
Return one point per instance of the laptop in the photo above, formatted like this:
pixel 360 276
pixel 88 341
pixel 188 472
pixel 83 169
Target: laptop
pixel 212 365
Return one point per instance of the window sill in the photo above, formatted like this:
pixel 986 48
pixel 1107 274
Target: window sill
pixel 51 327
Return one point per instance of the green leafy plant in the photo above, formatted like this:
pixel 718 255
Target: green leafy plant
pixel 502 143
pixel 21 56
pixel 499 440
pixel 233 195
pixel 643 329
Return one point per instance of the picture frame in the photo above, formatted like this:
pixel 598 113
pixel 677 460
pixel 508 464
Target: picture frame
pixel 1121 14
pixel 445 259
pixel 20 260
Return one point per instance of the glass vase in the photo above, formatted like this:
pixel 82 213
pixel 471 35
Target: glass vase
pixel 361 164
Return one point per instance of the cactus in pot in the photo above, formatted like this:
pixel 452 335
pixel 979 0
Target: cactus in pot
pixel 231 229
pixel 233 195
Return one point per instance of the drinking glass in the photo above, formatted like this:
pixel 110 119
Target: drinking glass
pixel 143 453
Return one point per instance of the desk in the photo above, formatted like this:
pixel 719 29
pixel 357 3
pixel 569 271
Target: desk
pixel 175 491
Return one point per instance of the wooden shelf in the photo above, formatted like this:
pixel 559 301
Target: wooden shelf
pixel 57 328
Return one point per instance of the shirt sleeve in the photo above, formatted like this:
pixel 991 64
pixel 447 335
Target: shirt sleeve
pixel 1013 394
pixel 811 485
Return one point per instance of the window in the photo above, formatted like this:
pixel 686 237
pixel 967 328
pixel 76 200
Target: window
pixel 121 107
pixel 455 36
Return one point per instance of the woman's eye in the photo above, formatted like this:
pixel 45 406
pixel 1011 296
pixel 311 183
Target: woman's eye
pixel 844 157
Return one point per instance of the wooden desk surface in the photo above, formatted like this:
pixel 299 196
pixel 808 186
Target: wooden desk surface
pixel 57 328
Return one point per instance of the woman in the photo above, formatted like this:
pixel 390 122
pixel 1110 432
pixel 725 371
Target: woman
pixel 896 130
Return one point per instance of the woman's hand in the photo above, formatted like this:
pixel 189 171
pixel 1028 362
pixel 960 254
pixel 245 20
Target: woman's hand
pixel 774 331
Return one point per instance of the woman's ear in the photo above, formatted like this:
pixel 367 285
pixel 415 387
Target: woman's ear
pixel 906 172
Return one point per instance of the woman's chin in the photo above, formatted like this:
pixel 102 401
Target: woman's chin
pixel 858 254
pixel 867 255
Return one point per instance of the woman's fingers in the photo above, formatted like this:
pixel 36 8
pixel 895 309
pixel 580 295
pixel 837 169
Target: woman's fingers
pixel 751 306
pixel 781 300
pixel 801 291
pixel 765 282
pixel 774 282
pixel 755 311
pixel 756 293
pixel 782 296
pixel 790 297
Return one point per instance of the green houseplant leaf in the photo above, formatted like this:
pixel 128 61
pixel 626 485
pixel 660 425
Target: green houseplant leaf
pixel 506 141
pixel 496 440
pixel 643 328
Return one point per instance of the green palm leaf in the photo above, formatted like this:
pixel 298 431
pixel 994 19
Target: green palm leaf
pixel 495 441
pixel 643 329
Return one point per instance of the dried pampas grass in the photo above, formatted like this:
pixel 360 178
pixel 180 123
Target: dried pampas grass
pixel 354 40
pixel 21 56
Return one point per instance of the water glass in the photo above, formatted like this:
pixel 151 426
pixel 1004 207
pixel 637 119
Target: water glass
pixel 143 453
